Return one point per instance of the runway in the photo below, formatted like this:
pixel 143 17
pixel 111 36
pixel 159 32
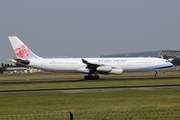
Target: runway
pixel 104 88
pixel 32 81
pixel 90 89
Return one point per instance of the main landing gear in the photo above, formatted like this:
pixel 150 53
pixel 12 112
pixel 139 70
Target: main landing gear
pixel 90 77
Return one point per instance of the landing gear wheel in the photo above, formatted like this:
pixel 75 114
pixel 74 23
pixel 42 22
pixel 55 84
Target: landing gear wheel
pixel 96 77
pixel 91 77
pixel 87 77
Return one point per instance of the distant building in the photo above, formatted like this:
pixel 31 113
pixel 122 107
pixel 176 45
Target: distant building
pixel 170 54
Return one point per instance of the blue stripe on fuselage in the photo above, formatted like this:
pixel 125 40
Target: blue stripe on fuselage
pixel 157 67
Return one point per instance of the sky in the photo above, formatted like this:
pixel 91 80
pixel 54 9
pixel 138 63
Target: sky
pixel 89 28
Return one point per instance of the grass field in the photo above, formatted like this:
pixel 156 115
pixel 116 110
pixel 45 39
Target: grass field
pixel 129 102
pixel 115 105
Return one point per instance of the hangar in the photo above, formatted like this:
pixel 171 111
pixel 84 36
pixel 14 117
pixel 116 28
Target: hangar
pixel 167 54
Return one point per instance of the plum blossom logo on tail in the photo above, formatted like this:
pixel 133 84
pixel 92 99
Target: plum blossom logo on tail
pixel 22 51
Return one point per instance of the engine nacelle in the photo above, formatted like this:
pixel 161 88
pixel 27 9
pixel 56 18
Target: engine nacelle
pixel 117 71
pixel 105 69
pixel 83 70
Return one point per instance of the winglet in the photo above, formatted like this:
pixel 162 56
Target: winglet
pixel 21 50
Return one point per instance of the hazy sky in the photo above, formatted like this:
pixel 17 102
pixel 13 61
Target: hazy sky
pixel 89 28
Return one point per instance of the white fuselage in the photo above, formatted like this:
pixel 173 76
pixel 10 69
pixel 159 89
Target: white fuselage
pixel 76 64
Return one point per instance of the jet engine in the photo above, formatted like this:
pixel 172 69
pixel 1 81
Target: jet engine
pixel 117 71
pixel 105 69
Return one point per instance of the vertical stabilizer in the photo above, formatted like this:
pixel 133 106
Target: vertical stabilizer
pixel 21 50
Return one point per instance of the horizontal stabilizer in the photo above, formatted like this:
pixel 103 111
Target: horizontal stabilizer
pixel 20 61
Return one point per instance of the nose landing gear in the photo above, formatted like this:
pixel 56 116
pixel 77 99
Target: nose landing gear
pixel 156 74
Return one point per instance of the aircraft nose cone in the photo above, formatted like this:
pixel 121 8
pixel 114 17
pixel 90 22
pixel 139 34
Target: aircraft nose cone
pixel 170 64
pixel 166 65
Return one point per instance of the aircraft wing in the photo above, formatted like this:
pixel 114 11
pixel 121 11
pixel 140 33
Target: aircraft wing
pixel 100 68
pixel 91 66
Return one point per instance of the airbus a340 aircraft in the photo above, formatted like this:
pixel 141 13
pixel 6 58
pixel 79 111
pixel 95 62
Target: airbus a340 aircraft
pixel 91 66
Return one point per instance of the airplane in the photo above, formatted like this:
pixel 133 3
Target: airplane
pixel 90 66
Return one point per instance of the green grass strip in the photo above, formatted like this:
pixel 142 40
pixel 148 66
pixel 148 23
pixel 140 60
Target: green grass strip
pixel 124 103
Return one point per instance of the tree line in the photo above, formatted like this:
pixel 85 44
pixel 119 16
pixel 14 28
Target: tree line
pixel 2 68
pixel 176 61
